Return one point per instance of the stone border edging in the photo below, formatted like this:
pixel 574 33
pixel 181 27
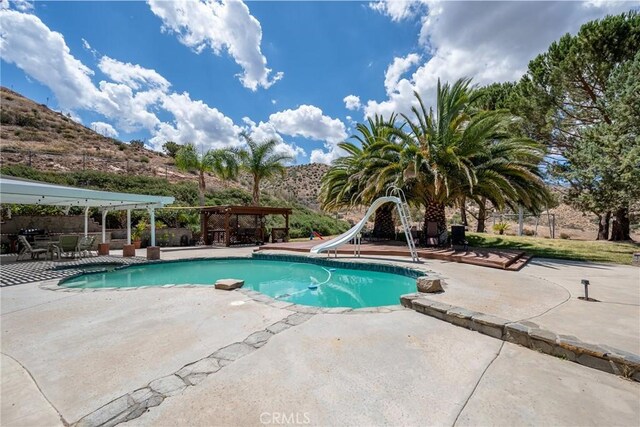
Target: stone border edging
pixel 132 405
pixel 529 334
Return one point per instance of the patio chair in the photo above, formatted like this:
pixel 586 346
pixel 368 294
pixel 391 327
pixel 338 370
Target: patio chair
pixel 68 245
pixel 26 248
pixel 433 236
pixel 85 245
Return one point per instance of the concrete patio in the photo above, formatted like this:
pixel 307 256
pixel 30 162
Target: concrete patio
pixel 72 356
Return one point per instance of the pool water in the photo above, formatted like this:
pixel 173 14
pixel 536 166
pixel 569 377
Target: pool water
pixel 285 281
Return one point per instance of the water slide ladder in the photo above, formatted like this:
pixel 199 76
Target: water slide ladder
pixel 405 219
pixel 394 195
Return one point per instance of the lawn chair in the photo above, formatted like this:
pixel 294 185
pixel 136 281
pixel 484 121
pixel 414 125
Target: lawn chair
pixel 85 245
pixel 68 245
pixel 433 236
pixel 26 248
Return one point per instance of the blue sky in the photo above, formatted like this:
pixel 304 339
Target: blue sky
pixel 201 72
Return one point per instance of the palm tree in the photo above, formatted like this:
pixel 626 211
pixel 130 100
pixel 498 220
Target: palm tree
pixel 438 159
pixel 220 162
pixel 262 161
pixel 351 179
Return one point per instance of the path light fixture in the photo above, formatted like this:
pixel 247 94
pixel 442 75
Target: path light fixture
pixel 585 282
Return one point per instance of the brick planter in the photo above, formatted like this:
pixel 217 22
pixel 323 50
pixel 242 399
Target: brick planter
pixel 128 250
pixel 153 252
pixel 103 249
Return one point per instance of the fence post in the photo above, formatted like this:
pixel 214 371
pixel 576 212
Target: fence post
pixel 29 158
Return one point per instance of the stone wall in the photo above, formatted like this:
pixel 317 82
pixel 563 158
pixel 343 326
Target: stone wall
pixel 54 224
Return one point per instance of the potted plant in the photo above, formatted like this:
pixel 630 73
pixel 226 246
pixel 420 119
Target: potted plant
pixel 137 233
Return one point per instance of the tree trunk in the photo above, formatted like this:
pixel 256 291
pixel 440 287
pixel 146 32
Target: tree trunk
pixel 434 212
pixel 383 226
pixel 482 215
pixel 603 226
pixel 463 211
pixel 256 191
pixel 201 188
pixel 620 229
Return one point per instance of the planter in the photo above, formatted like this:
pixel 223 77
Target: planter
pixel 153 252
pixel 128 250
pixel 103 249
pixel 137 244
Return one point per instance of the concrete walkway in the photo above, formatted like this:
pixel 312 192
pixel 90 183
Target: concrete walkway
pixel 399 369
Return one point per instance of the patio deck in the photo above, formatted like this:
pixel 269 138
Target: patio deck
pixel 493 258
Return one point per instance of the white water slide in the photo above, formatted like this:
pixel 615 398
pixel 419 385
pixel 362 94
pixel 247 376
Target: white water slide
pixel 354 232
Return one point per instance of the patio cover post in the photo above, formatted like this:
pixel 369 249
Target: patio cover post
pixel 86 221
pixel 152 220
pixel 128 226
pixel 104 226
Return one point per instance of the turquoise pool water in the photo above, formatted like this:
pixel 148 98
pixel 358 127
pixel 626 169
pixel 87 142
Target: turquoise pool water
pixel 285 281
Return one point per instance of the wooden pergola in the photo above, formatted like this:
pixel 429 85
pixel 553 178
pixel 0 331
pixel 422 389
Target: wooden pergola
pixel 241 225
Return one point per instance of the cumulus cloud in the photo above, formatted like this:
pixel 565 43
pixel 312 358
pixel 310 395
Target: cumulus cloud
pixel 264 131
pixel 104 129
pixel 134 76
pixel 398 67
pixel 195 121
pixel 221 25
pixel 488 41
pixel 352 102
pixel 397 10
pixel 43 54
pixel 308 121
pixel 22 5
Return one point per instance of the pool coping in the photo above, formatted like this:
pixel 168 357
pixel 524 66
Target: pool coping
pixel 56 284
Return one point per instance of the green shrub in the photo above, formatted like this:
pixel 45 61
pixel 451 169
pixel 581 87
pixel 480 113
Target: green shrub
pixel 565 236
pixel 528 232
pixel 144 159
pixel 501 227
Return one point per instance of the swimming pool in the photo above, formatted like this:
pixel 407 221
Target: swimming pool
pixel 303 283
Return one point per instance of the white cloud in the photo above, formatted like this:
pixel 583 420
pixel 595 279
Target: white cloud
pixel 134 76
pixel 104 129
pixel 488 41
pixel 220 25
pixel 22 5
pixel 43 54
pixel 397 10
pixel 352 102
pixel 308 121
pixel 195 121
pixel 326 157
pixel 398 67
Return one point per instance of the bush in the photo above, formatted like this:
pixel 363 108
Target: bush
pixel 501 227
pixel 144 159
pixel 565 236
pixel 137 143
pixel 528 232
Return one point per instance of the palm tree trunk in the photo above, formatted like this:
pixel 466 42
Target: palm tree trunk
pixel 201 188
pixel 256 191
pixel 482 215
pixel 463 211
pixel 434 212
pixel 383 226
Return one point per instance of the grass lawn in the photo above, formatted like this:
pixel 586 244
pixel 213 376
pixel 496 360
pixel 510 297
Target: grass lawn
pixel 596 251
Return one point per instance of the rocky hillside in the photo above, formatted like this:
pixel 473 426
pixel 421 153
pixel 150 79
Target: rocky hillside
pixel 34 135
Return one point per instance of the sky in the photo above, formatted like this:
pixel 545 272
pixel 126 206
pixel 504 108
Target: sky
pixel 301 72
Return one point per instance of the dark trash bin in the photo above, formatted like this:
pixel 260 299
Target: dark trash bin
pixel 458 240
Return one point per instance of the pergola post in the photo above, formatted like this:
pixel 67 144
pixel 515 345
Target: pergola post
pixel 103 248
pixel 86 221
pixel 153 252
pixel 104 226
pixel 152 220
pixel 227 229
pixel 128 226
